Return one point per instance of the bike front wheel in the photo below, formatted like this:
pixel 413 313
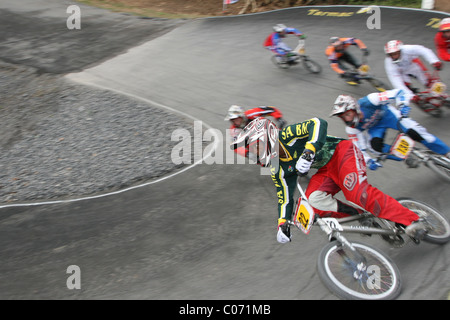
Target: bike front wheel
pixel 311 65
pixel 377 84
pixel 439 165
pixel 368 275
pixel 440 226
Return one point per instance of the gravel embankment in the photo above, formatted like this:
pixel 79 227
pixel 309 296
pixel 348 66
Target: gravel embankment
pixel 64 140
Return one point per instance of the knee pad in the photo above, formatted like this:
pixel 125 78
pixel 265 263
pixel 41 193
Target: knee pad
pixel 322 201
pixel 377 144
pixel 414 135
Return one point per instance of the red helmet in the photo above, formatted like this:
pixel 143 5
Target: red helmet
pixel 261 138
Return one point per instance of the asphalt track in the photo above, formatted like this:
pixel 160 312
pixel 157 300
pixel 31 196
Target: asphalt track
pixel 209 231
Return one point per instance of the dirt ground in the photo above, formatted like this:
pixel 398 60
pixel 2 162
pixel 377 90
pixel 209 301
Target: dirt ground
pixel 188 8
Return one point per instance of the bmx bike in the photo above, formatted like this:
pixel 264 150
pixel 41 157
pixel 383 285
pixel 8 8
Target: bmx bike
pixel 432 99
pixel 358 75
pixel 354 270
pixel 404 147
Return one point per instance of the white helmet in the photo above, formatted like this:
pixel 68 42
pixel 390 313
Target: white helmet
pixel 235 112
pixel 279 27
pixel 261 138
pixel 392 47
pixel 343 103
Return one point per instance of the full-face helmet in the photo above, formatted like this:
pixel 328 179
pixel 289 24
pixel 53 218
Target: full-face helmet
pixel 444 25
pixel 344 103
pixel 393 47
pixel 261 138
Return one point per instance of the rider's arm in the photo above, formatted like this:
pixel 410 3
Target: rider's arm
pixel 395 76
pixel 361 140
pixel 293 31
pixel 395 97
pixel 424 52
pixel 359 43
pixel 285 183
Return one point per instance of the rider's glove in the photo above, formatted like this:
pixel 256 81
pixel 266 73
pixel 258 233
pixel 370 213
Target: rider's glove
pixel 284 231
pixel 405 110
pixel 437 65
pixel 302 36
pixel 365 52
pixel 373 164
pixel 304 163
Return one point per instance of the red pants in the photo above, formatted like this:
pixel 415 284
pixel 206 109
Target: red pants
pixel 346 172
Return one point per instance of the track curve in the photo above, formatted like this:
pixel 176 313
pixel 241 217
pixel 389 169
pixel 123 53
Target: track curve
pixel 209 233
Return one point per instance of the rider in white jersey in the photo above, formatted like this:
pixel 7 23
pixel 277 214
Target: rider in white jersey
pixel 403 60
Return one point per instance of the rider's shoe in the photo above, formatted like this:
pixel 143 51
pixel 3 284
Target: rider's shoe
pixel 347 209
pixel 368 222
pixel 412 163
pixel 352 82
pixel 417 229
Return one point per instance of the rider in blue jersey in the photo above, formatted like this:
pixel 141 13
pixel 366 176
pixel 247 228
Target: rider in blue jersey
pixel 370 117
pixel 275 44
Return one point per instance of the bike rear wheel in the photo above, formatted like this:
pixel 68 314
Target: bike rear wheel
pixel 341 271
pixel 311 65
pixel 440 226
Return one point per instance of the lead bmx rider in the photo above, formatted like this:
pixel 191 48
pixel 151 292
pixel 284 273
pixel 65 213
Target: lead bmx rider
pixel 341 167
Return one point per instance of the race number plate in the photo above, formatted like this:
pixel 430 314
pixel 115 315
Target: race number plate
pixel 304 216
pixel 402 146
pixel 438 88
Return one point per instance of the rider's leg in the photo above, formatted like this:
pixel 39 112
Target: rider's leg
pixel 347 169
pixel 420 134
pixel 350 59
pixel 320 193
pixel 283 50
pixel 419 71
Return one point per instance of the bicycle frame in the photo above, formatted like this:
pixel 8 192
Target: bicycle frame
pixel 333 226
pixel 434 97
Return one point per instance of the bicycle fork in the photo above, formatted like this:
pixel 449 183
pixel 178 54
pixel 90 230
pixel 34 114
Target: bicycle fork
pixel 358 264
